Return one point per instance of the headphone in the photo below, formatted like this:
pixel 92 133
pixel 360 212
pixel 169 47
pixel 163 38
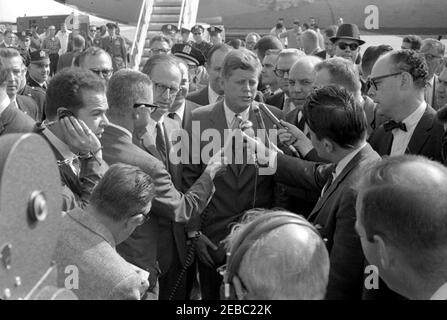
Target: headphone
pixel 259 226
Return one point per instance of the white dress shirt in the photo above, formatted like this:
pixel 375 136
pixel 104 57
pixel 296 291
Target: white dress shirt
pixel 63 38
pixel 4 104
pixel 344 162
pixel 180 113
pixel 212 95
pixel 230 115
pixel 402 138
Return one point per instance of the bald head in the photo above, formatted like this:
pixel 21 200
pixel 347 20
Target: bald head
pixel 402 204
pixel 298 264
pixel 309 41
pixel 302 79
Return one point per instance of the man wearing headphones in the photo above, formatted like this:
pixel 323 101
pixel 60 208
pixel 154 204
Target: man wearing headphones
pixel 298 264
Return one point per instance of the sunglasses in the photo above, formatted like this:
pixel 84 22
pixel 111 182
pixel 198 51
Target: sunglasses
pixel 352 46
pixel 151 107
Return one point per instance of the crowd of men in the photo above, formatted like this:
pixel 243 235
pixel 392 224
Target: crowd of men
pixel 358 160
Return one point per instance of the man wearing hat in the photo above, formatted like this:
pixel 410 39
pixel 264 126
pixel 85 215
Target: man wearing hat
pixel 170 31
pixel 433 52
pixel 202 45
pixel 215 35
pixel 114 45
pixel 38 70
pixel 193 58
pixel 184 32
pixel 347 42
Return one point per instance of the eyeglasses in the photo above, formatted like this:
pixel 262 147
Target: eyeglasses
pixel 159 51
pixel 352 46
pixel 106 73
pixel 197 33
pixel 281 72
pixel 372 82
pixel 161 89
pixel 151 107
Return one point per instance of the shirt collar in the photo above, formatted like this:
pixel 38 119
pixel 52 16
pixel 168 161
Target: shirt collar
pixel 229 114
pixel 344 162
pixel 4 104
pixel 441 293
pixel 413 119
pixel 212 95
pixel 60 146
pixel 181 111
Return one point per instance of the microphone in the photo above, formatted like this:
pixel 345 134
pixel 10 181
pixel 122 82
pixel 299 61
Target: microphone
pixel 246 126
pixel 275 121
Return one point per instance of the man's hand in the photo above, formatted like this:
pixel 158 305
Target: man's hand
pixel 202 250
pixel 217 164
pixel 79 137
pixel 296 137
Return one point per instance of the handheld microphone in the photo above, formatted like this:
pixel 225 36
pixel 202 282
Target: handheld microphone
pixel 246 126
pixel 278 124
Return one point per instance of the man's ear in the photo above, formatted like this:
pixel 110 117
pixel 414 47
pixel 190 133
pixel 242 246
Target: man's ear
pixel 135 221
pixel 382 251
pixel 328 145
pixel 406 80
pixel 241 293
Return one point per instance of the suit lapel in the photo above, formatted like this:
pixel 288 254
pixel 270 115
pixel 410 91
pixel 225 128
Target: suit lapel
pixel 341 177
pixel 421 132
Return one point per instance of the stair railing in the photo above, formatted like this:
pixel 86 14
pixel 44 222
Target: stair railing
pixel 141 32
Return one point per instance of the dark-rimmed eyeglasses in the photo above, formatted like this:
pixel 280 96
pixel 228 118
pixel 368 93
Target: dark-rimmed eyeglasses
pixel 430 57
pixel 352 46
pixel 106 73
pixel 372 82
pixel 280 73
pixel 151 107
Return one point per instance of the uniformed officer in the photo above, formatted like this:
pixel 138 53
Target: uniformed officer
pixel 115 46
pixel 38 95
pixel 215 35
pixel 170 31
pixel 195 60
pixel 185 33
pixel 202 45
pixel 38 70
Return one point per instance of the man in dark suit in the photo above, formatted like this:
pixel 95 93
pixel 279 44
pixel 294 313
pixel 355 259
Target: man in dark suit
pixel 241 188
pixel 67 59
pixel 213 92
pixel 401 220
pixel 127 89
pixel 12 60
pixel 337 127
pixel 398 80
pixel 286 59
pixel 73 131
pixel 115 46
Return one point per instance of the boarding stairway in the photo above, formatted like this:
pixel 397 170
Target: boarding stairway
pixel 153 15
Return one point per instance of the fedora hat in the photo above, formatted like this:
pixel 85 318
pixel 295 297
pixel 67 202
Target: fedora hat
pixel 348 31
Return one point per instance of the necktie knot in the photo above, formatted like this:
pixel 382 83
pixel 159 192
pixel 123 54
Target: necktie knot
pixel 236 121
pixel 390 125
pixel 171 115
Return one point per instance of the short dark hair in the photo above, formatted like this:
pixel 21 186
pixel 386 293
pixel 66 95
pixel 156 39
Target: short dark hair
pixel 235 43
pixel 332 112
pixel 124 87
pixel 414 41
pixel 342 72
pixel 243 59
pixel 409 210
pixel 265 43
pixel 330 31
pixel 91 51
pixel 218 47
pixel 65 90
pixel 123 192
pixel 412 62
pixel 371 55
pixel 156 60
pixel 78 41
pixel 160 39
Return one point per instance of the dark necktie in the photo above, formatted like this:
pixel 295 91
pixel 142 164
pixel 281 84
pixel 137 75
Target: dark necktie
pixel 171 115
pixel 390 125
pixel 161 143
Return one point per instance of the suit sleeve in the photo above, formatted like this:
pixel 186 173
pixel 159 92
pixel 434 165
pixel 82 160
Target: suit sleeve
pixel 299 173
pixel 129 288
pixel 346 257
pixel 12 120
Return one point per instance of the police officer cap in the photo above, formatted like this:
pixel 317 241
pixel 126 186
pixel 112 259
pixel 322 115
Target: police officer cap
pixel 39 56
pixel 213 30
pixel 111 25
pixel 185 30
pixel 169 28
pixel 197 28
pixel 188 53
